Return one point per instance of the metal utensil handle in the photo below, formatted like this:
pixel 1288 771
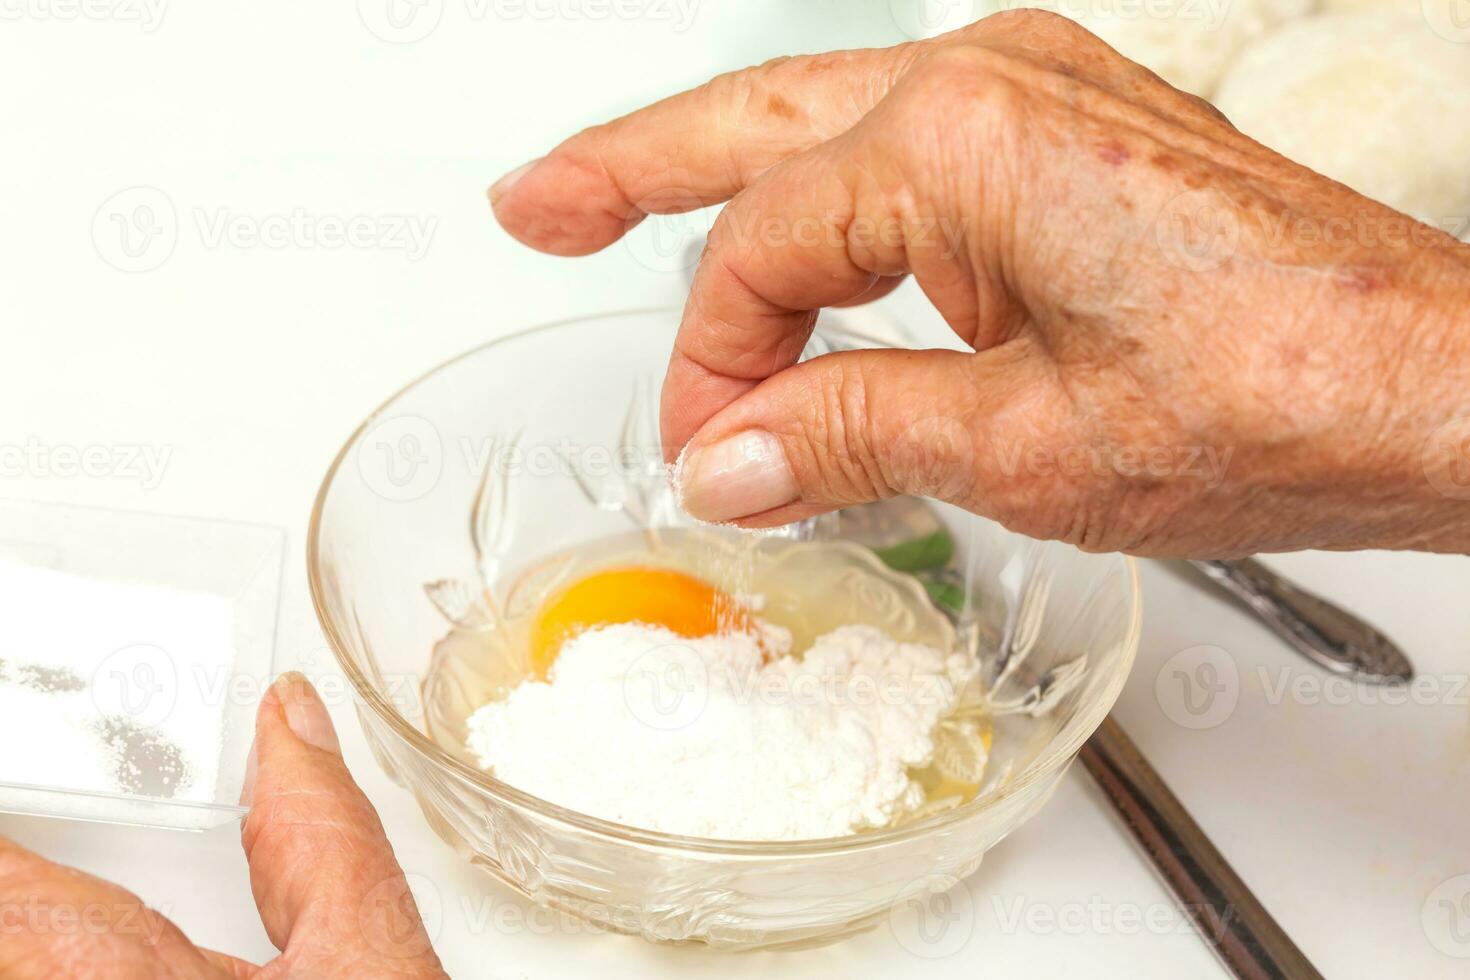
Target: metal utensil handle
pixel 1250 943
pixel 1326 633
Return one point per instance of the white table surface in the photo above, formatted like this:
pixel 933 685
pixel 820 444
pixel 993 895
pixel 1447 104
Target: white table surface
pixel 251 362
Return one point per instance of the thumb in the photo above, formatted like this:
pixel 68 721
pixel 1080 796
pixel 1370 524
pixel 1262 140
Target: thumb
pixel 330 892
pixel 857 426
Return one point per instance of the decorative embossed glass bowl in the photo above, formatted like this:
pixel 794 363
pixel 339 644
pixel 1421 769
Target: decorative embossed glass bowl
pixel 443 520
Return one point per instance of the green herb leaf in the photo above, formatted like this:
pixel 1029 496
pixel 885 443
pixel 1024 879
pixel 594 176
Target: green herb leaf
pixel 918 554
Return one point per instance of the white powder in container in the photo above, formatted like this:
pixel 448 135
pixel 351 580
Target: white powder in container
pixel 712 738
pixel 111 687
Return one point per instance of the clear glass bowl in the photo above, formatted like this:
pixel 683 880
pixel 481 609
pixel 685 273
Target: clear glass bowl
pixel 454 494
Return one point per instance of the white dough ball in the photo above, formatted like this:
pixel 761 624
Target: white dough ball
pixel 1375 101
pixel 1188 43
pixel 1445 17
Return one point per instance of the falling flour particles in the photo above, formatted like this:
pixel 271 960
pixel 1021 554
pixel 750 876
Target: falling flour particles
pixel 728 736
pixel 111 687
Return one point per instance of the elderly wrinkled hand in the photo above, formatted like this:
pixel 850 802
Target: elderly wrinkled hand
pixel 1180 342
pixel 330 892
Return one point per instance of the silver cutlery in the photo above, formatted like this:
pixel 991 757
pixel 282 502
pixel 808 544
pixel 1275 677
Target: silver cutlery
pixel 1326 633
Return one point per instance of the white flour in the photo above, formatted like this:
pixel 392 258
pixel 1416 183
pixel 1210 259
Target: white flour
pixel 701 737
pixel 107 686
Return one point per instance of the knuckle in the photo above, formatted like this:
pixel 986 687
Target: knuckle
pixel 838 434
pixel 731 91
pixel 1035 27
pixel 966 85
pixel 733 94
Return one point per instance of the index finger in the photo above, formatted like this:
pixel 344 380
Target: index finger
pixel 691 150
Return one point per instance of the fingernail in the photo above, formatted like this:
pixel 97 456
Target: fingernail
pixel 739 476
pixel 306 716
pixel 252 769
pixel 504 184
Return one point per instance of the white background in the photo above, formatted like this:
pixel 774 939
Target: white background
pixel 250 363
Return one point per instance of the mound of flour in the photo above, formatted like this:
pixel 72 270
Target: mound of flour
pixel 710 738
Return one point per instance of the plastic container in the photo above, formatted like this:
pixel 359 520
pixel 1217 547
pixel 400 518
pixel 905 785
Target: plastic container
pixel 148 639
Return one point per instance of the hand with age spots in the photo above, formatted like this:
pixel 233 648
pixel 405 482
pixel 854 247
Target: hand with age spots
pixel 1180 342
pixel 330 892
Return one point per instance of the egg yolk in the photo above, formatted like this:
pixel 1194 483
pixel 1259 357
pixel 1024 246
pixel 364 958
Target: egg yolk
pixel 663 597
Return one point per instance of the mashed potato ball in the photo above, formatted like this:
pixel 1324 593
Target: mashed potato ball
pixel 1188 43
pixel 1373 100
